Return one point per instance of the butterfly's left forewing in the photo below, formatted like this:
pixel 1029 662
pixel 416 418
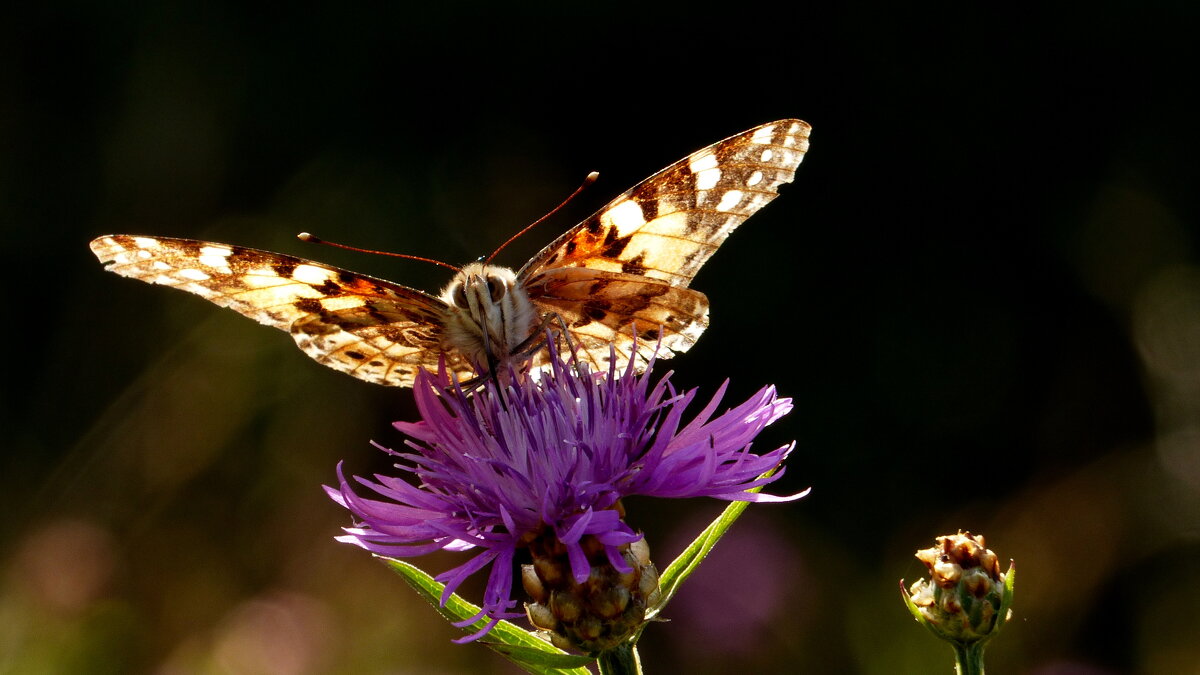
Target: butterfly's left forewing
pixel 372 329
pixel 638 254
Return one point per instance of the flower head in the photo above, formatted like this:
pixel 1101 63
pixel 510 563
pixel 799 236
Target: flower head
pixel 967 597
pixel 542 464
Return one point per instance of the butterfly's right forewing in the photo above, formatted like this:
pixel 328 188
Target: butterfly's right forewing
pixel 625 271
pixel 668 226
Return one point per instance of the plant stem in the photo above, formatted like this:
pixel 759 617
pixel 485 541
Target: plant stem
pixel 969 658
pixel 621 660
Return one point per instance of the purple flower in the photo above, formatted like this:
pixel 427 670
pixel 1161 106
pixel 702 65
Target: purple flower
pixel 510 464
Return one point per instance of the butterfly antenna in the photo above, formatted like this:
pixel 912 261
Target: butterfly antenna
pixel 591 178
pixel 314 239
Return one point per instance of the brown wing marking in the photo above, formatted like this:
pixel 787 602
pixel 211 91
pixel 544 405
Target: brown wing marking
pixel 668 225
pixel 333 314
pixel 380 341
pixel 608 308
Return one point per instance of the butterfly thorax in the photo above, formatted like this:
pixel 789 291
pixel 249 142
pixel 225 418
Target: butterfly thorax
pixel 488 314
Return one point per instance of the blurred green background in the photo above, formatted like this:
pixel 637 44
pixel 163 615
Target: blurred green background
pixel 982 292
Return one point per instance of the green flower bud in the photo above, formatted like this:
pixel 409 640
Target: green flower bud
pixel 967 598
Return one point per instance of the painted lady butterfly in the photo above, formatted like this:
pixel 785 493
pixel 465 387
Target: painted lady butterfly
pixel 624 270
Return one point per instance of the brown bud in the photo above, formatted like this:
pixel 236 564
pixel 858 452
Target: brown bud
pixel 601 612
pixel 962 599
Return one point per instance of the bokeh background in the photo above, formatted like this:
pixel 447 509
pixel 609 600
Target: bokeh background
pixel 982 292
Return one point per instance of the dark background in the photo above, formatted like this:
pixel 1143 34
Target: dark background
pixel 981 292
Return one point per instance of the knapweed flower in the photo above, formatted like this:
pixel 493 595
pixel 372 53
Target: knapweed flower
pixel 542 464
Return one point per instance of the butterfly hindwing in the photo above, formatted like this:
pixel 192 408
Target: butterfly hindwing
pixel 376 343
pixel 600 308
pixel 334 315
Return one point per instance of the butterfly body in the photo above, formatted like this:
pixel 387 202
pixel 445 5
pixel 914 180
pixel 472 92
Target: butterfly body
pixel 488 316
pixel 621 273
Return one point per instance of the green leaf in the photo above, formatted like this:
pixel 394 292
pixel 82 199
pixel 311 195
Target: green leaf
pixel 914 610
pixel 1006 601
pixel 516 644
pixel 561 662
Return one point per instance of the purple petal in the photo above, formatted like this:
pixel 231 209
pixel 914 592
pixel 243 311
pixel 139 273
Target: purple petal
pixel 494 468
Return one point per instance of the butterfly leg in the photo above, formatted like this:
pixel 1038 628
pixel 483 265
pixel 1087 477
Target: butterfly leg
pixel 525 349
pixel 537 339
pixel 474 382
pixel 492 368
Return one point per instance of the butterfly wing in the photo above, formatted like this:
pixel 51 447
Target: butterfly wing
pixel 637 255
pixel 372 329
pixel 603 309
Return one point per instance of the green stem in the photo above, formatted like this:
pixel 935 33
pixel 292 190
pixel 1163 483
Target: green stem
pixel 969 658
pixel 620 660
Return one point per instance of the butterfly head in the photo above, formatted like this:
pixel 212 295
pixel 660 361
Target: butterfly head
pixel 488 314
pixel 479 286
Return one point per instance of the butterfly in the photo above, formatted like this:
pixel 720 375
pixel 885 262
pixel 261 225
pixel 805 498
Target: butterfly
pixel 621 273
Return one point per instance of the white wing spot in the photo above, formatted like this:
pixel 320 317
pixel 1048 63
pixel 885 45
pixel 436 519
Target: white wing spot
pixel 218 261
pixel 309 274
pixel 729 200
pixel 767 155
pixel 194 275
pixel 627 216
pixel 219 251
pixel 142 242
pixel 199 290
pixel 144 254
pixel 763 135
pixel 671 224
pixel 216 256
pixel 708 178
pixel 702 161
pixel 343 302
pixel 159 266
pixel 262 276
pixel 754 179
